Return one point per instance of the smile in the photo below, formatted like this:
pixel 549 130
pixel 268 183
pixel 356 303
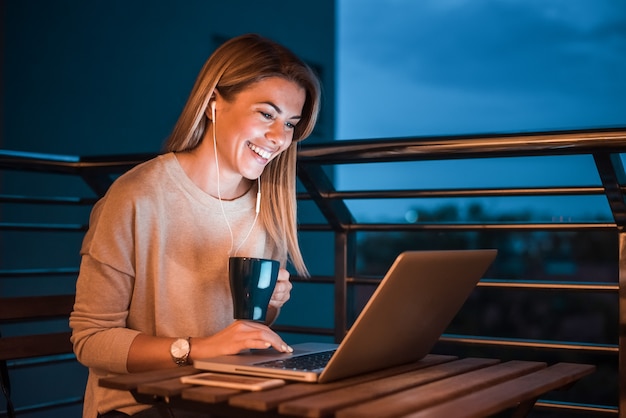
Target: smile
pixel 260 151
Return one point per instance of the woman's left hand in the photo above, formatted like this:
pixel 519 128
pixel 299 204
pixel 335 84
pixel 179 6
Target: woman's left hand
pixel 282 290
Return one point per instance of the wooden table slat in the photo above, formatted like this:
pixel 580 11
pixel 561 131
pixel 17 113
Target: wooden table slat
pixel 270 399
pixel 164 388
pixel 131 381
pixel 208 394
pixel 439 391
pixel 508 394
pixel 321 405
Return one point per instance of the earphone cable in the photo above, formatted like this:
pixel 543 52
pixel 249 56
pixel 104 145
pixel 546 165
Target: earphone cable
pixel 256 216
pixel 219 196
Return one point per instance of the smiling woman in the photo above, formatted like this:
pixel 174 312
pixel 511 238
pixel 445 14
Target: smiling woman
pixel 255 126
pixel 153 289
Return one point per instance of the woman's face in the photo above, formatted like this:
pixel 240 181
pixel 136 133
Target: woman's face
pixel 257 125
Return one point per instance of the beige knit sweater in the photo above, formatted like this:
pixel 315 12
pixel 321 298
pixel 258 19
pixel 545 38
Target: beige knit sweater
pixel 154 261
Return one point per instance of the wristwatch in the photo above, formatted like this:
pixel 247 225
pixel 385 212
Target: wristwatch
pixel 179 350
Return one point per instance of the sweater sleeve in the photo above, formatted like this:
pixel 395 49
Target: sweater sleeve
pixel 99 334
pixel 104 289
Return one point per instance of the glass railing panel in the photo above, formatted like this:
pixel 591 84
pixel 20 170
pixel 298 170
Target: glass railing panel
pixel 559 209
pixel 543 171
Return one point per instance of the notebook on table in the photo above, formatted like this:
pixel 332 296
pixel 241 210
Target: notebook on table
pixel 417 299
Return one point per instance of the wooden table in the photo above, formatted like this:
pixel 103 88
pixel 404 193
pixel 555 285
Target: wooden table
pixel 436 386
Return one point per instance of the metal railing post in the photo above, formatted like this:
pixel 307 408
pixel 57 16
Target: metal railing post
pixel 345 252
pixel 622 325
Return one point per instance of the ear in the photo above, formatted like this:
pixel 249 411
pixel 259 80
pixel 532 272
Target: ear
pixel 210 109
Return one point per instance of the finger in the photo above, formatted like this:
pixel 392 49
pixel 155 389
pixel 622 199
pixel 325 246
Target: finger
pixel 279 299
pixel 260 336
pixel 253 344
pixel 279 345
pixel 283 275
pixel 281 294
pixel 248 326
pixel 276 303
pixel 282 288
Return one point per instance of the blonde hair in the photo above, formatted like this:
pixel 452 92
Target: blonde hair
pixel 233 67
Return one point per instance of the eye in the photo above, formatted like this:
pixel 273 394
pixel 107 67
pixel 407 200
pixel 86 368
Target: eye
pixel 290 125
pixel 267 115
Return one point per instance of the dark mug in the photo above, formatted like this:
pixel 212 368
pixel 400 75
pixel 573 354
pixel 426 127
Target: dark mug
pixel 252 282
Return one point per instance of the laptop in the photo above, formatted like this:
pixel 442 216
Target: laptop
pixel 404 318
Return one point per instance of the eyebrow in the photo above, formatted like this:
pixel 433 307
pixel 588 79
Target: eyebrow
pixel 280 111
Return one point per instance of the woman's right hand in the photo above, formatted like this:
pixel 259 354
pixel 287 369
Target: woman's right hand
pixel 238 337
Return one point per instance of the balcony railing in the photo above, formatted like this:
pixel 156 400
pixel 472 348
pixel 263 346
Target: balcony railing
pixel 314 164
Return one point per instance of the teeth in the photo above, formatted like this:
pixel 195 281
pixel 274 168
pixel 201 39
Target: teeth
pixel 260 151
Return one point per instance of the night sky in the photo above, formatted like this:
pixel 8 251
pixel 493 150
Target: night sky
pixel 439 67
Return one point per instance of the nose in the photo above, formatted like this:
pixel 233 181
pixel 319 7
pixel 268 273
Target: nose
pixel 278 134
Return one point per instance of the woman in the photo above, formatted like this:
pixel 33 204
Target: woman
pixel 153 286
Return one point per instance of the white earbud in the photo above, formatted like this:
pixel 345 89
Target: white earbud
pixel 213 111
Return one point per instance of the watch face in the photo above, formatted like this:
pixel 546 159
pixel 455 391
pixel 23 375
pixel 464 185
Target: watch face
pixel 180 348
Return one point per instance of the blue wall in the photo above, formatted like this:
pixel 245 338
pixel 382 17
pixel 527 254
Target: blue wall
pixel 110 77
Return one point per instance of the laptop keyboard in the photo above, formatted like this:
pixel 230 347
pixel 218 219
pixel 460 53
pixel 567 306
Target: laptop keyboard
pixel 309 362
